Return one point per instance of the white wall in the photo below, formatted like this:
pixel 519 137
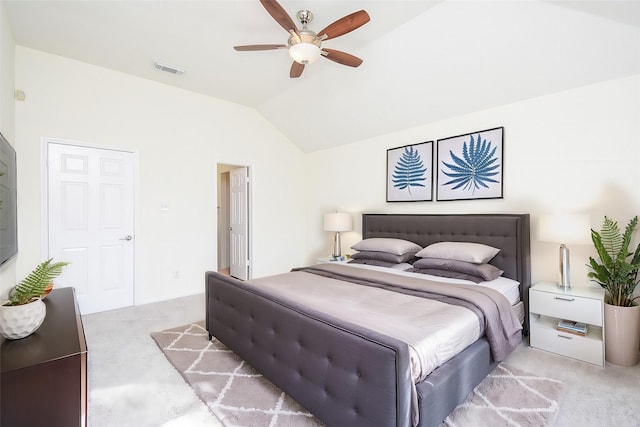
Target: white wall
pixel 574 151
pixel 7 125
pixel 571 152
pixel 180 137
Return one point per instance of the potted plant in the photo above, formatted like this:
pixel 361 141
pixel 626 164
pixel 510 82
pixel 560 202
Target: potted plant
pixel 617 273
pixel 25 311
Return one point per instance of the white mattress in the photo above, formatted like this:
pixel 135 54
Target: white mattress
pixel 519 309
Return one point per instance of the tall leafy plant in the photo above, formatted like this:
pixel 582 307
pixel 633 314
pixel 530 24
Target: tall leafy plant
pixel 35 284
pixel 618 268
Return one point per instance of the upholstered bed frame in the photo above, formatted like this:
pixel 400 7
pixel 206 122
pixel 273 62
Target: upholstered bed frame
pixel 349 376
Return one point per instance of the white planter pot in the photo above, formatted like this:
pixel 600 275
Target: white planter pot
pixel 20 321
pixel 622 334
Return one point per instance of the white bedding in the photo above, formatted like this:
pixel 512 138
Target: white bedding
pixel 434 331
pixel 507 287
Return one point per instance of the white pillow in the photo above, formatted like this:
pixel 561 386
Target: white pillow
pixel 476 253
pixel 384 244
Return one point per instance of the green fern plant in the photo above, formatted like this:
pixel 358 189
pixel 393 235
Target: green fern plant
pixel 618 270
pixel 34 285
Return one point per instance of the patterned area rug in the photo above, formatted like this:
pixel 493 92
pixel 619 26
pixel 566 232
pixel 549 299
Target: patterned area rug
pixel 239 396
pixel 509 397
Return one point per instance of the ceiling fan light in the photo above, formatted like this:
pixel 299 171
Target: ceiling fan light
pixel 304 53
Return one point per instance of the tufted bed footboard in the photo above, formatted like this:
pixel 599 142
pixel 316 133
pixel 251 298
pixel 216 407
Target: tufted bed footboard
pixel 344 375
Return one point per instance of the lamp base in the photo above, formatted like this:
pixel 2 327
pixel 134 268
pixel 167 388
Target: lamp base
pixel 564 268
pixel 337 246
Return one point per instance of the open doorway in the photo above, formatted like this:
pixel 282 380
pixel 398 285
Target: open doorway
pixel 234 217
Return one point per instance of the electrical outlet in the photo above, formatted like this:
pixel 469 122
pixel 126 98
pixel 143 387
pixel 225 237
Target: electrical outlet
pixel 176 274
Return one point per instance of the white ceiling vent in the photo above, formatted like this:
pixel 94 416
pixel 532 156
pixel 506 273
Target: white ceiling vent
pixel 169 68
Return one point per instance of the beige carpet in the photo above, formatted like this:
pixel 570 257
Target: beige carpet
pixel 239 396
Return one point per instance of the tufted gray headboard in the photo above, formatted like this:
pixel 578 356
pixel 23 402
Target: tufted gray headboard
pixel 509 232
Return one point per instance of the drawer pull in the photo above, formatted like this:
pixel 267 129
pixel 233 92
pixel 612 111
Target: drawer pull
pixel 566 299
pixel 564 336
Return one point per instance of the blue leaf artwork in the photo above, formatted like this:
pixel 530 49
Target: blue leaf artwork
pixel 409 170
pixel 471 166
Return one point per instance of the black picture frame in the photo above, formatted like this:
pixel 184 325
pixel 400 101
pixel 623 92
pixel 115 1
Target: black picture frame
pixel 410 173
pixel 470 166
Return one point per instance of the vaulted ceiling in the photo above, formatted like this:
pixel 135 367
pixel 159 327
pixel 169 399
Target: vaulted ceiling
pixel 424 60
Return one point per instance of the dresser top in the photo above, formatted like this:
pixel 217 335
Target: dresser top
pixel 60 335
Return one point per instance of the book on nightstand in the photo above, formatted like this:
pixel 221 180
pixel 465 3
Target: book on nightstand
pixel 577 328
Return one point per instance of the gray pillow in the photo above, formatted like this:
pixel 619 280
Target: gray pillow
pixel 384 244
pixel 384 256
pixel 447 273
pixel 484 271
pixel 476 253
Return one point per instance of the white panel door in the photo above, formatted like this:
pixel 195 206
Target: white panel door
pixel 91 223
pixel 239 223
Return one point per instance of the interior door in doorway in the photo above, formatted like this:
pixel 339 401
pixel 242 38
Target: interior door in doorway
pixel 224 226
pixel 91 223
pixel 239 223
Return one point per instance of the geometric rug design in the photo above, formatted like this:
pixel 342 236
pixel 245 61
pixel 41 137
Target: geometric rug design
pixel 509 397
pixel 239 396
pixel 232 390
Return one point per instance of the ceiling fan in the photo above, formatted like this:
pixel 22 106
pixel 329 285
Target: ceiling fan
pixel 305 46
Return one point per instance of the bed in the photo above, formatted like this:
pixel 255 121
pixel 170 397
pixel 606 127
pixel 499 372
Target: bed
pixel 347 374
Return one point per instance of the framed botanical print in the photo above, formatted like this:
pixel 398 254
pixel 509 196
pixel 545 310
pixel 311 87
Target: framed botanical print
pixel 470 166
pixel 409 173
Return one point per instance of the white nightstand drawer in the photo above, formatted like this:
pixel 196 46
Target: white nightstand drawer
pixel 575 308
pixel 570 345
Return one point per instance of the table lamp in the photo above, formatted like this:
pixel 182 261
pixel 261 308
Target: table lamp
pixel 337 222
pixel 563 229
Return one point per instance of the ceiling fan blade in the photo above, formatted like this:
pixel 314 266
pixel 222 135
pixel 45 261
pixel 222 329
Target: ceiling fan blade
pixel 251 47
pixel 341 57
pixel 280 15
pixel 296 70
pixel 345 25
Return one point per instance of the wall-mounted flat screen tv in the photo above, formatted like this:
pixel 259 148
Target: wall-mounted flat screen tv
pixel 8 202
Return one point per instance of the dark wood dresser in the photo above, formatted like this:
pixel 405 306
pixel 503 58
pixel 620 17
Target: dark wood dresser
pixel 43 377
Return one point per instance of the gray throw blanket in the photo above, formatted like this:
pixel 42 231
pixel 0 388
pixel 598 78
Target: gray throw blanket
pixel 498 320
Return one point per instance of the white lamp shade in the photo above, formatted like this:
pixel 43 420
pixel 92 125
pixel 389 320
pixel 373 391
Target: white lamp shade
pixel 575 229
pixel 304 53
pixel 338 221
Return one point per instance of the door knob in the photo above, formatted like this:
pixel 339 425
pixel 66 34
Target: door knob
pixel 127 238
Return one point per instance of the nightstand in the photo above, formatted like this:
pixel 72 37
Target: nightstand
pixel 549 304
